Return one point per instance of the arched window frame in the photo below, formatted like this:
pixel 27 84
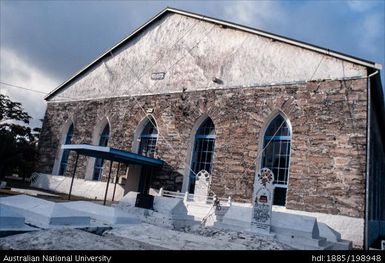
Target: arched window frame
pixel 206 142
pixel 148 139
pixel 281 184
pixel 65 154
pixel 103 141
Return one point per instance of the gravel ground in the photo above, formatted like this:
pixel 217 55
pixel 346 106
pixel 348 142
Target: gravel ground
pixel 70 239
pixel 250 241
pixel 138 237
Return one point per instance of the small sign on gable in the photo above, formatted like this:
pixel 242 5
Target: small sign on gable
pixel 158 75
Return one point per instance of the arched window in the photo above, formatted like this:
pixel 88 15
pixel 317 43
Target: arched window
pixel 66 153
pixel 148 139
pixel 147 147
pixel 103 141
pixel 276 156
pixel 203 151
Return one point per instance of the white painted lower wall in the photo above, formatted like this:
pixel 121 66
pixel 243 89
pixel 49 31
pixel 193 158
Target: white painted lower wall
pixel 81 187
pixel 350 228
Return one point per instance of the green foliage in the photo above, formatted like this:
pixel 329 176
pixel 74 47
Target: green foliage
pixel 18 143
pixel 10 110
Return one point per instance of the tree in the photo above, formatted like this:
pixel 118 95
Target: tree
pixel 18 143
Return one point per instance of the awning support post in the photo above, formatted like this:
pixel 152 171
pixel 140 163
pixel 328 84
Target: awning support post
pixel 73 175
pixel 108 182
pixel 116 181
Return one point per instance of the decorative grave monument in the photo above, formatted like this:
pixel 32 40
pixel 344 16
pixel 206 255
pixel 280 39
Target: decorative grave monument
pixel 262 201
pixel 202 186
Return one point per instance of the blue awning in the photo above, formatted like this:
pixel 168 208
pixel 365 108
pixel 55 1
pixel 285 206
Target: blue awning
pixel 112 154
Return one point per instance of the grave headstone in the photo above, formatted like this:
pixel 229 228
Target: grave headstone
pixel 262 201
pixel 202 186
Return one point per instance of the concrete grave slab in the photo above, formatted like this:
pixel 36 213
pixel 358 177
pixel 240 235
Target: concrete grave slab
pixel 44 213
pixel 11 222
pixel 168 212
pixel 237 217
pixel 298 231
pixel 342 224
pixel 175 209
pixel 334 237
pixel 304 226
pixel 128 200
pixel 9 218
pixel 106 214
pixel 171 206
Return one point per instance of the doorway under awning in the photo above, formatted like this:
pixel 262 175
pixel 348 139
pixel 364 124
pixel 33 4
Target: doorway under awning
pixel 111 154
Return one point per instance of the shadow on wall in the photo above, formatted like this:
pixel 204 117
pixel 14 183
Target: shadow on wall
pixel 168 178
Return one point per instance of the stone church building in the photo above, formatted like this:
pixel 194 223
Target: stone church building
pixel 204 94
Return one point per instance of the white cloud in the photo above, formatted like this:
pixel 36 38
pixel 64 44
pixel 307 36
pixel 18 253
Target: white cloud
pixel 256 13
pixel 17 71
pixel 360 5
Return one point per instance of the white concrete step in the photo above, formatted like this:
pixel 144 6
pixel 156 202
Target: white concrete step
pixel 198 210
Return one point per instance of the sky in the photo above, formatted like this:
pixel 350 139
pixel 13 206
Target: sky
pixel 43 43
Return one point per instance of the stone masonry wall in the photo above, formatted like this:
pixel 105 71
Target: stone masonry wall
pixel 328 119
